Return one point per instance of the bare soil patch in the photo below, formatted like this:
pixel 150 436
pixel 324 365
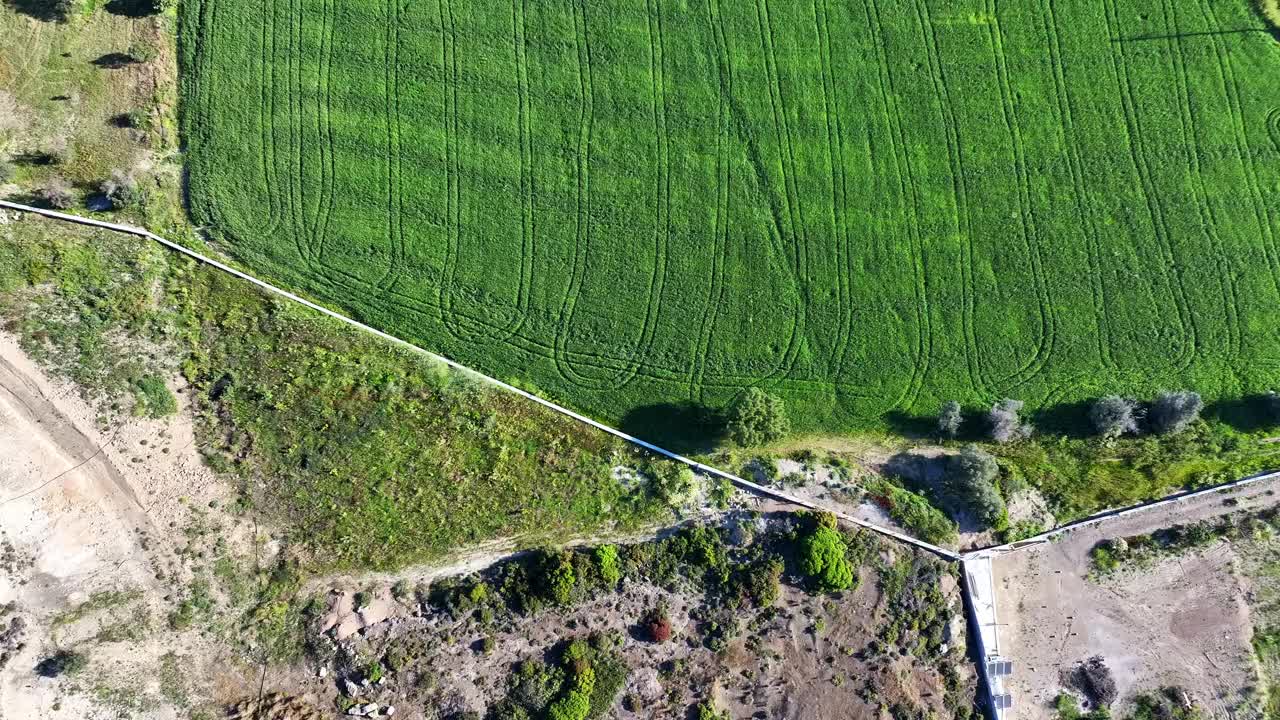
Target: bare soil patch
pixel 78 509
pixel 1182 621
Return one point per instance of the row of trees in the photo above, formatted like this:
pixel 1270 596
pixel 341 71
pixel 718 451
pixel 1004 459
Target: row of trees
pixel 758 418
pixel 1169 413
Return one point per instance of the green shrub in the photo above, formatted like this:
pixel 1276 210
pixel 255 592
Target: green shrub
pixel 63 662
pixel 608 564
pixel 915 513
pixel 152 398
pixel 558 577
pixel 576 703
pixel 757 418
pixel 822 558
pixel 707 711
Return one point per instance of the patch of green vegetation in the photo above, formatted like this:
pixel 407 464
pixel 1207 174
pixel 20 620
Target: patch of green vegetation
pixel 913 512
pixel 378 457
pixel 1067 707
pixel 102 601
pixel 172 678
pixel 1170 703
pixel 82 304
pixel 152 398
pixel 1081 476
pixel 582 684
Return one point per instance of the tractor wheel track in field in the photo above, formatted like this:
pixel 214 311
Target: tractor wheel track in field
pixel 1133 141
pixel 1200 193
pixel 1075 167
pixel 1026 217
pixel 791 195
pixel 1235 110
pixel 720 229
pixel 962 219
pixel 564 357
pixel 909 190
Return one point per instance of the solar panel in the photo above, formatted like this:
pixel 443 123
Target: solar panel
pixel 1003 702
pixel 999 668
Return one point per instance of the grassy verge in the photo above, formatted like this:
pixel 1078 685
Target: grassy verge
pixel 1081 476
pixel 364 455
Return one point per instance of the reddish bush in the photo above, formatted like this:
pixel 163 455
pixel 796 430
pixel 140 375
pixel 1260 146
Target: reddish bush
pixel 658 626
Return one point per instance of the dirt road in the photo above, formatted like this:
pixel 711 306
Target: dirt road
pixel 74 502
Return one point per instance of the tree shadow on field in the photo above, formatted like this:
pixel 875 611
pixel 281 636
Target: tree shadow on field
pixel 1248 414
pixel 914 427
pixel 1066 419
pixel 131 8
pixel 683 427
pixel 114 61
pixel 46 10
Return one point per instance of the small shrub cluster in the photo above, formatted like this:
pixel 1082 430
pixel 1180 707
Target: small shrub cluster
pixel 63 662
pixel 123 191
pixel 916 611
pixel 914 512
pixel 1170 703
pixel 1068 708
pixel 56 195
pixel 582 684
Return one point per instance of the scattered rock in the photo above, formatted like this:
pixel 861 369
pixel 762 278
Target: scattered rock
pixel 322 672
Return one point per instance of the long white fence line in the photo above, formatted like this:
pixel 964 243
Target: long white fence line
pixel 700 467
pixel 1048 535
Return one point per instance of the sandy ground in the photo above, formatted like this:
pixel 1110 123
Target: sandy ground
pixel 1183 621
pixel 74 504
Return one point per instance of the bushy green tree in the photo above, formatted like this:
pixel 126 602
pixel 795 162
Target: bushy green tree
pixel 970 480
pixel 757 418
pixel 822 557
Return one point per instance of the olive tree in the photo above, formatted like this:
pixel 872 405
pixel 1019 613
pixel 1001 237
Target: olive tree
pixel 949 419
pixel 1005 424
pixel 757 418
pixel 56 194
pixel 1174 411
pixel 970 480
pixel 1113 416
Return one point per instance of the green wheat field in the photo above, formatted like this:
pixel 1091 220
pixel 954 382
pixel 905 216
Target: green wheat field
pixel 641 208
